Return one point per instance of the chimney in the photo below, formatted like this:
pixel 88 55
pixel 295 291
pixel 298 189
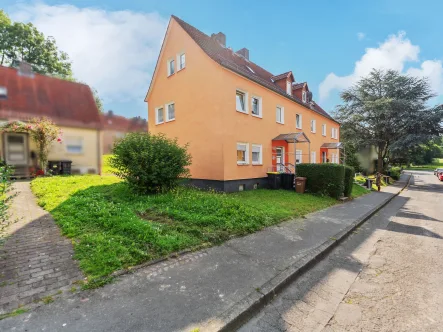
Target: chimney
pixel 220 37
pixel 25 69
pixel 110 114
pixel 244 52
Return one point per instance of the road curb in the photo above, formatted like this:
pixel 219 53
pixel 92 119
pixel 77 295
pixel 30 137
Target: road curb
pixel 240 312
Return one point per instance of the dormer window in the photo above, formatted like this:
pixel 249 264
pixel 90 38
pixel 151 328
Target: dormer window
pixel 303 96
pixel 288 87
pixel 3 93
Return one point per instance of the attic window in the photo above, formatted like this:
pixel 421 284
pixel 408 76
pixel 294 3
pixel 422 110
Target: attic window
pixel 250 69
pixel 288 88
pixel 3 92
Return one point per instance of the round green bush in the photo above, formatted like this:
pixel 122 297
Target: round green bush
pixel 150 163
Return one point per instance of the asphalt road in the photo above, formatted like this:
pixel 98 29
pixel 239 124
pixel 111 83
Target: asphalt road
pixel 387 276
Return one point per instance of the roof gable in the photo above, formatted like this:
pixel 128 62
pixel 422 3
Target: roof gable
pixel 66 103
pixel 240 65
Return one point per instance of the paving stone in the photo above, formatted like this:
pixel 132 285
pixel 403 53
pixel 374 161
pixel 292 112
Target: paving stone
pixel 34 258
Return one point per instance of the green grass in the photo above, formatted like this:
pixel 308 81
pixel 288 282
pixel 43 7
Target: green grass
pixel 358 191
pixel 14 313
pixel 112 228
pixel 436 163
pixel 106 168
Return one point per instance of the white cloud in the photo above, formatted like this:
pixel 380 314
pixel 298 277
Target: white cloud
pixel 394 53
pixel 113 51
pixel 361 35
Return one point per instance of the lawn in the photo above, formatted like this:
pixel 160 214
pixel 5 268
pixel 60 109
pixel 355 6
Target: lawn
pixel 112 228
pixel 358 191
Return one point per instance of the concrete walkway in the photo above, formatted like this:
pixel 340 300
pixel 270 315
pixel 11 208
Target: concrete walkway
pixel 35 260
pixel 197 289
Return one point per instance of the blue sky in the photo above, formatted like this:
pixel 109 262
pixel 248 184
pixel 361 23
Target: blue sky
pixel 114 44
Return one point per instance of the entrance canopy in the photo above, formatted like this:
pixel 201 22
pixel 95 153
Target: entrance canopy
pixel 338 145
pixel 293 138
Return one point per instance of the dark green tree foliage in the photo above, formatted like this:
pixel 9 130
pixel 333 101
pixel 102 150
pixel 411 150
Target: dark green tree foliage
pixel 351 157
pixel 23 42
pixel 150 163
pixel 349 180
pixel 390 111
pixel 325 179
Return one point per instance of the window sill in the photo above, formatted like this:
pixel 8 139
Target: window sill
pixel 170 120
pixel 75 153
pixel 257 116
pixel 242 164
pixel 257 164
pixel 181 69
pixel 159 123
pixel 299 128
pixel 242 112
pixel 313 132
pixel 171 75
pixel 282 123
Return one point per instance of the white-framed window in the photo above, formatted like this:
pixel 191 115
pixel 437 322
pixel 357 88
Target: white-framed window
pixel 240 101
pixel 289 87
pixel 299 156
pixel 334 133
pixel 298 121
pixel 257 155
pixel 313 157
pixel 256 106
pixel 74 144
pixel 181 60
pixel 171 67
pixel 324 157
pixel 280 114
pixel 170 112
pixel 313 126
pixel 303 96
pixel 334 158
pixel 242 153
pixel 159 115
pixel 323 129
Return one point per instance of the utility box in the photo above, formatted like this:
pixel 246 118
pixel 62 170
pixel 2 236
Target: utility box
pixel 300 184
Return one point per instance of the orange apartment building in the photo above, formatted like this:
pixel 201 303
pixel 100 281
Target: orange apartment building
pixel 240 120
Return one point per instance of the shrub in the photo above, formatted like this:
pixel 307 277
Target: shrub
pixel 326 179
pixel 349 180
pixel 395 173
pixel 150 163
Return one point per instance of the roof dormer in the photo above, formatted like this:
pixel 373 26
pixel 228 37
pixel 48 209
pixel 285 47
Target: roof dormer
pixel 284 81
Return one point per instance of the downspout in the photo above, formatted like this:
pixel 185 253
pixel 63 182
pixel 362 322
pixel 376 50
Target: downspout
pixel 98 153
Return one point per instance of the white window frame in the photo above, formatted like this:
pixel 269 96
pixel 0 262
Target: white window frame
pixel 299 153
pixel 313 126
pixel 289 88
pixel 260 159
pixel 323 129
pixel 157 122
pixel 332 132
pixel 303 96
pixel 81 139
pixel 169 67
pixel 245 101
pixel 179 59
pixel 299 125
pixel 313 157
pixel 246 162
pixel 260 107
pixel 166 112
pixel 336 133
pixel 282 113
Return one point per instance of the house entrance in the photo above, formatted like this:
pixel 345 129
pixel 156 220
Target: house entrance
pixel 16 149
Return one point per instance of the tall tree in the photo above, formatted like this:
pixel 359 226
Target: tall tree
pixel 390 111
pixel 23 42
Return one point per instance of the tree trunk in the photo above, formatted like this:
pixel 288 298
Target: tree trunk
pixel 380 158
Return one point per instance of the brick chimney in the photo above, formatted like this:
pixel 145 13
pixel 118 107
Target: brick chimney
pixel 220 37
pixel 244 52
pixel 25 69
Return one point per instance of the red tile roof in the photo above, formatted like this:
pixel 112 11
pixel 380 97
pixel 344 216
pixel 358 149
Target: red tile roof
pixel 66 103
pixel 120 123
pixel 281 76
pixel 297 86
pixel 232 61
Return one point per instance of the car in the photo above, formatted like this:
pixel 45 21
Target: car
pixel 440 176
pixel 437 170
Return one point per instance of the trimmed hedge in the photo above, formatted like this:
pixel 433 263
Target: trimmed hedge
pixel 349 180
pixel 326 179
pixel 395 173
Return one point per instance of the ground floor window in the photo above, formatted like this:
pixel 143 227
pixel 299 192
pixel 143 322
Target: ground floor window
pixel 257 154
pixel 313 157
pixel 299 156
pixel 324 157
pixel 242 153
pixel 74 144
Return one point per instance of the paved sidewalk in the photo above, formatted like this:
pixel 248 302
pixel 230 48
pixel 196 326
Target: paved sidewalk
pixel 186 293
pixel 35 260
